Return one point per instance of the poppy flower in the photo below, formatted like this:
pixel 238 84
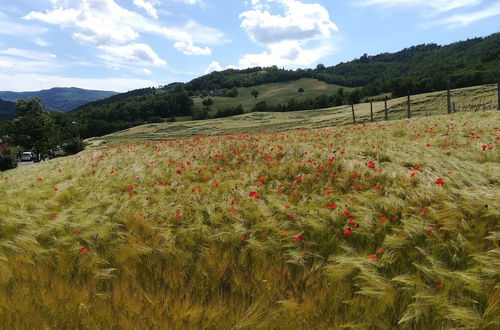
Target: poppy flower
pixel 439 181
pixel 430 229
pixel 383 218
pixel 242 238
pixel 299 178
pixel 347 232
pixel 484 147
pixel 292 218
pixel 377 187
pixel 262 179
pixel 131 187
pixel 412 174
pixel 297 238
pixel 263 234
pixel 373 257
pixel 332 206
pixel 438 286
pixel 84 250
pixel 347 213
pixel 416 166
pixel 380 251
pixel 357 187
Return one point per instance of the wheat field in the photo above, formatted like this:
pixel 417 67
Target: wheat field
pixel 369 226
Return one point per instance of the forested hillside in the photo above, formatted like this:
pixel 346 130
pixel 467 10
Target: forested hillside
pixel 417 69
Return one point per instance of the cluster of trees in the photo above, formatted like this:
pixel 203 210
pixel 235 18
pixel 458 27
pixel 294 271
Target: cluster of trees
pixel 118 112
pixel 37 130
pixel 319 102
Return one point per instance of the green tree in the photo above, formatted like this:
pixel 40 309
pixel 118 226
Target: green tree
pixel 301 90
pixel 255 93
pixel 207 102
pixel 34 129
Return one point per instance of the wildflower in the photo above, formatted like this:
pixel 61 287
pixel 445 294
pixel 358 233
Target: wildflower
pixel 393 219
pixel 292 218
pixel 357 187
pixel 262 179
pixel 332 206
pixel 438 286
pixel 328 192
pixel 354 175
pixel 54 217
pixel 380 251
pixel 412 174
pixel 377 187
pixel 347 213
pixel 287 206
pixel 484 147
pixel 299 178
pixel 373 257
pixel 242 238
pixel 297 238
pixel 84 250
pixel 131 187
pixel 263 234
pixel 383 218
pixel 416 166
pixel 347 232
pixel 439 181
pixel 233 201
pixel 430 229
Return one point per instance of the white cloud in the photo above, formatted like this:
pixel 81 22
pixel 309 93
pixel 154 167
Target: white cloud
pixel 41 42
pixel 300 36
pixel 15 29
pixel 105 23
pixel 6 65
pixel 138 53
pixel 28 81
pixel 469 18
pixel 27 54
pixel 148 7
pixel 214 66
pixel 300 22
pixel 435 5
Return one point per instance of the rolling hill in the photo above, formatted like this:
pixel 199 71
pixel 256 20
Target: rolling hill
pixel 273 94
pixel 60 99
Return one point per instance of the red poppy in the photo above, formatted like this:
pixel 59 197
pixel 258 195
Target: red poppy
pixel 347 232
pixel 383 218
pixel 380 251
pixel 357 187
pixel 297 238
pixel 412 174
pixel 131 187
pixel 332 206
pixel 292 218
pixel 439 181
pixel 416 166
pixel 299 178
pixel 263 234
pixel 242 238
pixel 347 213
pixel 377 187
pixel 373 257
pixel 262 179
pixel 84 250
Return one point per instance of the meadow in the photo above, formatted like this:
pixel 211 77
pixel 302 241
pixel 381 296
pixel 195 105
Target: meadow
pixel 470 99
pixel 273 94
pixel 370 226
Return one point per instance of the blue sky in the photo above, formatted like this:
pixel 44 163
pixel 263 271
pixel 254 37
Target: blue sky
pixel 126 44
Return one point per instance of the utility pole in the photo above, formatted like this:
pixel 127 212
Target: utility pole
pixel 409 107
pixel 371 111
pixel 498 85
pixel 386 117
pixel 353 115
pixel 449 98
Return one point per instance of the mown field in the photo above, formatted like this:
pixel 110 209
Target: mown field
pixel 273 94
pixel 380 226
pixel 471 99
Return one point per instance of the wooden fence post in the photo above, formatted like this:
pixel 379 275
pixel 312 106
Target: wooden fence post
pixel 353 115
pixel 409 107
pixel 371 111
pixel 498 85
pixel 386 117
pixel 448 97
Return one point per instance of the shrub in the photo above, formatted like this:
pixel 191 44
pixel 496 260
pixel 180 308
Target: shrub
pixel 8 160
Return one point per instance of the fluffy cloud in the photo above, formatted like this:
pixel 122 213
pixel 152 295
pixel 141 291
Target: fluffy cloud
pixel 149 7
pixel 8 27
pixel 106 23
pixel 214 66
pixel 300 36
pixel 300 22
pixel 138 53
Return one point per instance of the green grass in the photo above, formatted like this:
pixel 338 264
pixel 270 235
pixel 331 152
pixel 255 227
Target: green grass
pixel 465 99
pixel 171 235
pixel 273 94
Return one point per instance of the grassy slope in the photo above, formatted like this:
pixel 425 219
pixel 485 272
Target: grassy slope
pixel 465 99
pixel 168 234
pixel 274 93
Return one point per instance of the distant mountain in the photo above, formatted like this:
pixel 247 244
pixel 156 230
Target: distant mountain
pixel 7 111
pixel 60 99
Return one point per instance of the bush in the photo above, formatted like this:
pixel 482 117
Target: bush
pixel 8 160
pixel 74 146
pixel 238 110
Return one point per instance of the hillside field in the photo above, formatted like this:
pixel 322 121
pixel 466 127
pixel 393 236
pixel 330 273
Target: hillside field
pixel 471 99
pixel 273 94
pixel 381 226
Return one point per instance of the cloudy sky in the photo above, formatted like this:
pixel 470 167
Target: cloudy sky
pixel 126 44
